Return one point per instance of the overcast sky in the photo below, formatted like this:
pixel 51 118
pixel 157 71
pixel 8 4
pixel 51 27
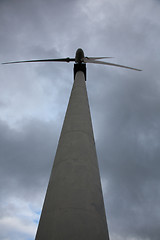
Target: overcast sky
pixel 125 108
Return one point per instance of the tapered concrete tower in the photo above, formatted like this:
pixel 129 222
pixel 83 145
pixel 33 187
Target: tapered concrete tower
pixel 73 208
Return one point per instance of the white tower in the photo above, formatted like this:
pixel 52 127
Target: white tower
pixel 73 208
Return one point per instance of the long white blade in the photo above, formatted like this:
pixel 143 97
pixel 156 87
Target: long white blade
pixel 111 64
pixel 44 60
pixel 95 58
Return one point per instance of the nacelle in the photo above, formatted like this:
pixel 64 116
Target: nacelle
pixel 79 55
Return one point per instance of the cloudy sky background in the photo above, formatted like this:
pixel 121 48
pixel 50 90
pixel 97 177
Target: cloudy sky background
pixel 125 108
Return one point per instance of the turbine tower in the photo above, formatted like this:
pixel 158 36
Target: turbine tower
pixel 74 208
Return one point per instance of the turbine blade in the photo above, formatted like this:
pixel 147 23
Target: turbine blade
pixel 111 64
pixel 44 60
pixel 95 58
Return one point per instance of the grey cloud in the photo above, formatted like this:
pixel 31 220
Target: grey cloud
pixel 129 159
pixel 26 157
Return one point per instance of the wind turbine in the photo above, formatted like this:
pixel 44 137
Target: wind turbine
pixel 73 208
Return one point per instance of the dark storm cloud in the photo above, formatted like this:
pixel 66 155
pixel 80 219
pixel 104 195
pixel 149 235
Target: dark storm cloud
pixel 27 29
pixel 129 157
pixel 124 104
pixel 21 170
pixel 26 156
